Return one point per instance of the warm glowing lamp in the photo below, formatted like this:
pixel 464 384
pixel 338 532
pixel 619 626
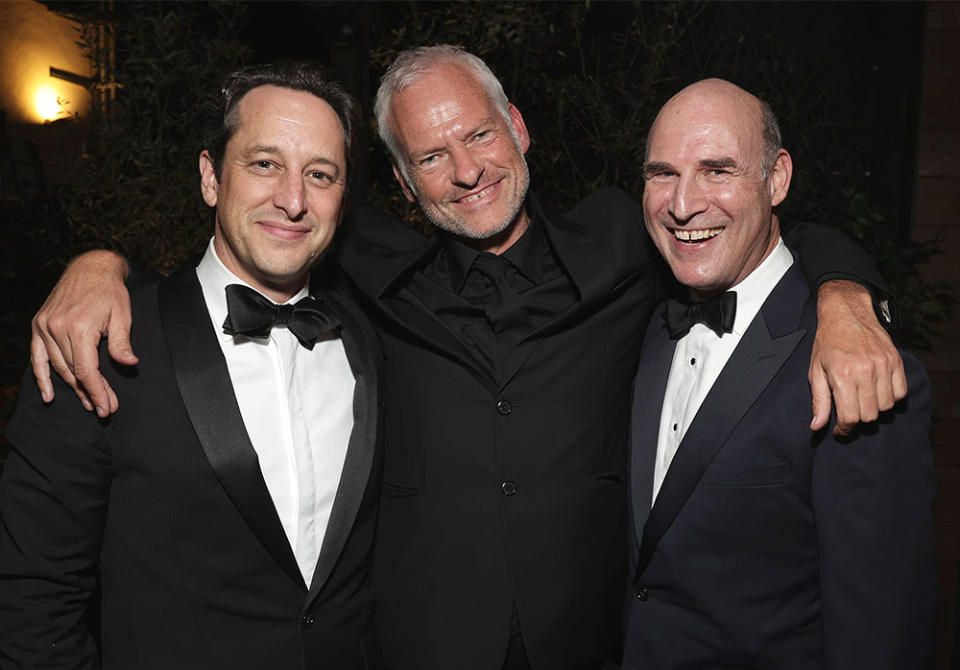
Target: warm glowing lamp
pixel 47 103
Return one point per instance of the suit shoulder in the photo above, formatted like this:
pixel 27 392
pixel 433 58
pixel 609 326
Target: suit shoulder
pixel 613 205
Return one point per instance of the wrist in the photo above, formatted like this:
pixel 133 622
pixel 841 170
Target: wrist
pixel 101 262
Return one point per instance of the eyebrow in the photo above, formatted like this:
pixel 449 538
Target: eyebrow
pixel 726 162
pixel 271 149
pixel 653 168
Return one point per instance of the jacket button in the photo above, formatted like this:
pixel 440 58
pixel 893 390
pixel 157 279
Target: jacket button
pixel 504 407
pixel 307 621
pixel 642 594
pixel 508 488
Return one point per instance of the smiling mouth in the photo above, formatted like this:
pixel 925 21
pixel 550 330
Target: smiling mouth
pixel 694 236
pixel 284 232
pixel 473 197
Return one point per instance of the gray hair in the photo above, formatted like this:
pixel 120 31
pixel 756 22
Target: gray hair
pixel 409 66
pixel 770 136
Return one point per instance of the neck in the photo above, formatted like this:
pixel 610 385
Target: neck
pixel 279 290
pixel 506 238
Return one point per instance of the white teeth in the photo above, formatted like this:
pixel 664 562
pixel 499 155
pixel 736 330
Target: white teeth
pixel 695 235
pixel 477 196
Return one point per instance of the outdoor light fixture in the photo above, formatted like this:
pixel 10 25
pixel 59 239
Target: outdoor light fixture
pixel 48 104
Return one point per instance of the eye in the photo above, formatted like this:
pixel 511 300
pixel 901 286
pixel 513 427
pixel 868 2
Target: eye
pixel 429 160
pixel 320 175
pixel 262 165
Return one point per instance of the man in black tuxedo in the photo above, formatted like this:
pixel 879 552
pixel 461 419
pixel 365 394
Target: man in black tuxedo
pixel 511 340
pixel 227 514
pixel 757 543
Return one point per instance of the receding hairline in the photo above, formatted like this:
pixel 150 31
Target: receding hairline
pixel 713 90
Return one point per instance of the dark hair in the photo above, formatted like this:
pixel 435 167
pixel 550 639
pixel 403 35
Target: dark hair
pixel 306 76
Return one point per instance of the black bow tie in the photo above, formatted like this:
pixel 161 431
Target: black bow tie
pixel 717 314
pixel 251 314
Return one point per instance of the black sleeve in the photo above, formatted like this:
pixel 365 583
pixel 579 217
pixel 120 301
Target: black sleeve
pixel 140 275
pixel 827 253
pixel 53 496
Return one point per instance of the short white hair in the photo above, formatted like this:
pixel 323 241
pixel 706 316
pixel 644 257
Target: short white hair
pixel 412 64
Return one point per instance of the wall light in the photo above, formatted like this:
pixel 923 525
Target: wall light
pixel 48 103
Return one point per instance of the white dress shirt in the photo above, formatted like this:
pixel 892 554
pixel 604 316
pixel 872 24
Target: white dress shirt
pixel 297 407
pixel 701 355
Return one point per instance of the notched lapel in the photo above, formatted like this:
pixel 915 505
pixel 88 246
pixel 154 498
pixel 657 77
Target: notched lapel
pixel 586 261
pixel 207 392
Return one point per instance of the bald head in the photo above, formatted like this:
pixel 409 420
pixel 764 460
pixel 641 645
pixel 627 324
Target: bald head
pixel 710 97
pixel 714 172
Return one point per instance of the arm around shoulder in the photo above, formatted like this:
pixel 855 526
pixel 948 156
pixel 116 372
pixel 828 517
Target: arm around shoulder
pixel 90 301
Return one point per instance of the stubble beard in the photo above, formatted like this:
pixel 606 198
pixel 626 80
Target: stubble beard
pixel 459 227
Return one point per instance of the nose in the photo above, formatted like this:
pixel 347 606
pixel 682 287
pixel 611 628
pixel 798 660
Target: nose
pixel 290 195
pixel 466 168
pixel 687 199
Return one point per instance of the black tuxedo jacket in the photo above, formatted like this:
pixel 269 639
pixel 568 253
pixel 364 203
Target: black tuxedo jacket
pixel 164 506
pixel 770 546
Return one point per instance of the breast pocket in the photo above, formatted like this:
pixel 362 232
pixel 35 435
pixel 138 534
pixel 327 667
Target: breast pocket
pixel 736 475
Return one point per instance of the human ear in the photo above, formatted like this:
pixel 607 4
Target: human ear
pixel 780 176
pixel 208 179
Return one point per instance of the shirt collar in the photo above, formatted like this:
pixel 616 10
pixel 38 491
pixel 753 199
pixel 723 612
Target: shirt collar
pixel 215 277
pixel 756 286
pixel 526 254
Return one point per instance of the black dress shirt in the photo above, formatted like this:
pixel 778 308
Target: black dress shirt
pixel 454 287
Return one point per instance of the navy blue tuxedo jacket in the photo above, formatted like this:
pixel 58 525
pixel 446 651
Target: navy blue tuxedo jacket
pixel 164 509
pixel 770 546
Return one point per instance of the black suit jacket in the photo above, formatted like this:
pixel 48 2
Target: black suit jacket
pixel 497 493
pixel 164 506
pixel 770 546
pixel 513 491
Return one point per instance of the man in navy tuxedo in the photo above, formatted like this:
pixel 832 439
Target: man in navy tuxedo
pixel 756 542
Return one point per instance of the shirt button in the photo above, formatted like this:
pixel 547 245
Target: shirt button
pixel 642 594
pixel 307 621
pixel 674 427
pixel 693 361
pixel 508 488
pixel 504 407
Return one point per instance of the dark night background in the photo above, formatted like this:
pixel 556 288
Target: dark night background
pixel 846 80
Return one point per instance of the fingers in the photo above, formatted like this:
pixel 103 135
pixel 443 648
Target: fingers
pixel 820 390
pixel 118 337
pixel 40 364
pixel 899 381
pixel 87 372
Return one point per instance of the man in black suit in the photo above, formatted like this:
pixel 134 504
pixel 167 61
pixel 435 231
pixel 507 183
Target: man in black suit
pixel 227 514
pixel 757 543
pixel 511 340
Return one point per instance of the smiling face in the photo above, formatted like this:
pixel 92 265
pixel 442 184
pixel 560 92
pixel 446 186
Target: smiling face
pixel 464 160
pixel 280 195
pixel 706 202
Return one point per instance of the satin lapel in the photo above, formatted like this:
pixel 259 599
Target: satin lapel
pixel 208 396
pixel 750 369
pixel 361 449
pixel 590 267
pixel 648 391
